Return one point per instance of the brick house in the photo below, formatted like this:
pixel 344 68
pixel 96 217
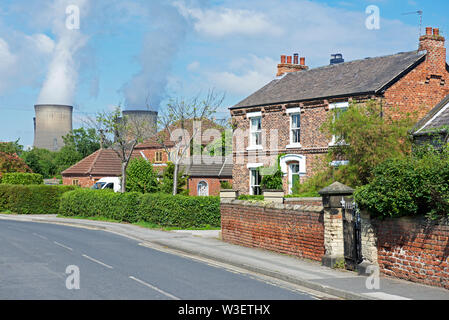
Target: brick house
pixel 284 116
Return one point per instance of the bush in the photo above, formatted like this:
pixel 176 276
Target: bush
pixel 225 185
pixel 417 185
pixel 22 178
pixel 141 177
pixel 180 211
pixel 248 197
pixel 32 199
pixel 161 209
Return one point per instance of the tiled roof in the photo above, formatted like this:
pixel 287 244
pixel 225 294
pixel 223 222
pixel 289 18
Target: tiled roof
pixel 365 76
pixel 104 162
pixel 437 118
pixel 209 167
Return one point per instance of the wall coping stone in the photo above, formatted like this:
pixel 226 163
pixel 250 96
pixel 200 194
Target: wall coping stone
pixel 271 205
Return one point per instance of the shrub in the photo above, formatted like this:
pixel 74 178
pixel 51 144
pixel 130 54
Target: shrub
pixel 22 178
pixel 180 211
pixel 225 185
pixel 161 209
pixel 100 203
pixel 141 177
pixel 31 199
pixel 248 197
pixel 417 185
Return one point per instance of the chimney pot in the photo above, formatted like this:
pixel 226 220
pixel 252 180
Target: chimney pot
pixel 289 60
pixel 303 61
pixel 436 32
pixel 283 58
pixel 429 31
pixel 296 58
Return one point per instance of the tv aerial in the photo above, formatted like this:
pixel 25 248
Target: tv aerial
pixel 420 14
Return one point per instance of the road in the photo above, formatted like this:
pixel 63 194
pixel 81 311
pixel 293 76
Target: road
pixel 34 258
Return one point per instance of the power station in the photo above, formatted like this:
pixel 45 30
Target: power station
pixel 146 118
pixel 51 123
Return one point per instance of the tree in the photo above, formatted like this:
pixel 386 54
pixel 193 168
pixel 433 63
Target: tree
pixel 365 137
pixel 168 180
pixel 84 141
pixel 10 163
pixel 41 161
pixel 175 120
pixel 141 177
pixel 122 133
pixel 67 157
pixel 11 147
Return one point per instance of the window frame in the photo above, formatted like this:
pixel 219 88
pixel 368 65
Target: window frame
pixel 333 106
pixel 198 188
pixel 251 142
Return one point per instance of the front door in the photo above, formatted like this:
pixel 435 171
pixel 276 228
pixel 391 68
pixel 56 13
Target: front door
pixel 293 176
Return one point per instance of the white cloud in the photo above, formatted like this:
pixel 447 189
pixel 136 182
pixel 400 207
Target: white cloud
pixel 7 64
pixel 219 22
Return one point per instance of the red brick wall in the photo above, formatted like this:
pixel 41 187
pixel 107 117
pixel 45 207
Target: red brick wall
pixel 84 182
pixel 414 250
pixel 214 185
pixel 288 230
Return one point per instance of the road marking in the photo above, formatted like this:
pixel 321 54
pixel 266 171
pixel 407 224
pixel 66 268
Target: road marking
pixel 38 235
pixel 61 245
pixel 99 262
pixel 385 296
pixel 155 288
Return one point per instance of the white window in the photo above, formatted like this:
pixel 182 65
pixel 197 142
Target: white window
pixel 294 174
pixel 256 131
pixel 295 128
pixel 203 189
pixel 339 108
pixel 295 166
pixel 255 180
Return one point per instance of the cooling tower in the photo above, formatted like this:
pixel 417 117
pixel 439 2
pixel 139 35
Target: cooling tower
pixel 146 117
pixel 51 123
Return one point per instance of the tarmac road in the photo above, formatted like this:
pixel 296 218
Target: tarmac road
pixel 34 258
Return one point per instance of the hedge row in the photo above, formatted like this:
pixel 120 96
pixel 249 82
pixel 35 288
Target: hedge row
pixel 162 209
pixel 22 178
pixel 32 199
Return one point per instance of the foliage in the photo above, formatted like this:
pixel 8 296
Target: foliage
pixel 223 146
pixel 225 185
pixel 31 199
pixel 249 197
pixel 416 185
pixel 84 141
pixel 167 180
pixel 310 194
pixel 141 177
pixel 12 163
pixel 366 137
pixel 161 209
pixel 272 176
pixel 66 157
pixel 41 161
pixel 22 178
pixel 11 148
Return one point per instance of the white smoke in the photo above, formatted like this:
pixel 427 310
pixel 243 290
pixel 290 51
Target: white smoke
pixel 61 81
pixel 162 42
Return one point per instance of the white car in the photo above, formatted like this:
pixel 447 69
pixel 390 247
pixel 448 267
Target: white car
pixel 112 183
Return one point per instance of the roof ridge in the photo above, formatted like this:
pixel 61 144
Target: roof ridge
pixel 95 160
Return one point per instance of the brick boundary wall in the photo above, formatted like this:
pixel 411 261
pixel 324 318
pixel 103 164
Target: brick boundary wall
pixel 317 202
pixel 287 229
pixel 410 248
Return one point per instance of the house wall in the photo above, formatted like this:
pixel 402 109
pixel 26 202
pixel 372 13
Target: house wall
pixel 84 182
pixel 286 229
pixel 213 183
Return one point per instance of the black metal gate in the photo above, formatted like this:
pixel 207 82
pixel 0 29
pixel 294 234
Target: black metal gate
pixel 352 235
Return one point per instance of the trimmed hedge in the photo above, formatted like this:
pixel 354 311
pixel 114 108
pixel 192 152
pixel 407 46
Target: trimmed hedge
pixel 32 199
pixel 22 178
pixel 162 209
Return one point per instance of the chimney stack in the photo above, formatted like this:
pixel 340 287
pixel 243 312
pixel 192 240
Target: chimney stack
pixel 433 43
pixel 286 65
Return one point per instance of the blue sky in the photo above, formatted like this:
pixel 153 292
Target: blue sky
pixel 140 52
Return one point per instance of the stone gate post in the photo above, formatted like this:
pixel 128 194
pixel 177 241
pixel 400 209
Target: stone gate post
pixel 333 222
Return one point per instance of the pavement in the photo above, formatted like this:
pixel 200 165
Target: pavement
pixel 307 274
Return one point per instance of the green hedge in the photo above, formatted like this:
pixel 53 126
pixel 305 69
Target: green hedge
pixel 248 197
pixel 414 186
pixel 32 199
pixel 22 178
pixel 162 209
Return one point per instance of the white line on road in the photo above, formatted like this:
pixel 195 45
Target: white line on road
pixel 61 245
pixel 96 261
pixel 155 288
pixel 385 296
pixel 38 235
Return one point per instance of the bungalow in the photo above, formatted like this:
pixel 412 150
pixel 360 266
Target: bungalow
pixel 284 117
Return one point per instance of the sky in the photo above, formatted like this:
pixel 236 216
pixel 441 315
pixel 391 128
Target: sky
pixel 139 54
